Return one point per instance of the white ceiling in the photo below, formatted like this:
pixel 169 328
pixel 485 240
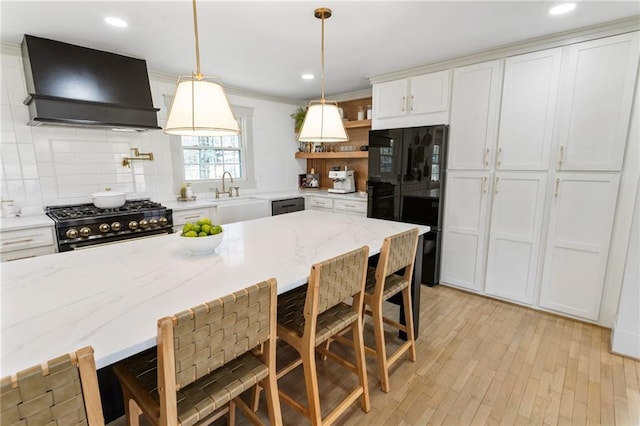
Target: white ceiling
pixel 265 46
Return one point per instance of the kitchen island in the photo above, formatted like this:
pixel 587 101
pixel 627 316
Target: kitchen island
pixel 110 297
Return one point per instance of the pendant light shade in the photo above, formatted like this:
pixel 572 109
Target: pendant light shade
pixel 200 106
pixel 322 123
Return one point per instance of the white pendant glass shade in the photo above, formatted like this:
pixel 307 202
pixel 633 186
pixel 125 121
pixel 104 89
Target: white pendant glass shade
pixel 323 123
pixel 200 108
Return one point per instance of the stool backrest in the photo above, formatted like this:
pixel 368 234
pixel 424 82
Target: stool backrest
pixel 212 334
pixel 398 252
pixel 63 391
pixel 335 280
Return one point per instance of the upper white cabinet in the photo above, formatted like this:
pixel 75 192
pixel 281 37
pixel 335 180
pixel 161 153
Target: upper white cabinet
pixel 529 96
pixel 415 101
pixel 515 235
pixel 582 212
pixel 474 116
pixel 595 103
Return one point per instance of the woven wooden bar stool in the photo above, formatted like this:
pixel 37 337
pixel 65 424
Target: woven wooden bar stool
pixel 63 391
pixel 309 315
pixel 398 252
pixel 205 360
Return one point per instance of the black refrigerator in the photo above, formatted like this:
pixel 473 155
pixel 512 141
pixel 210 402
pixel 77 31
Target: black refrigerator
pixel 406 183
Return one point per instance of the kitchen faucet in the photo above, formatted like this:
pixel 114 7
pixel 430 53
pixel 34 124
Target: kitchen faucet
pixel 224 191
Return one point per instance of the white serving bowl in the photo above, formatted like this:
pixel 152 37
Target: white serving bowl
pixel 108 199
pixel 201 245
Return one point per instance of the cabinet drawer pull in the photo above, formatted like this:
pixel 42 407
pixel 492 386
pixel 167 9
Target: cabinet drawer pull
pixel 404 103
pixel 192 217
pixel 499 159
pixel 20 258
pixel 495 188
pixel 484 184
pixel 486 157
pixel 26 240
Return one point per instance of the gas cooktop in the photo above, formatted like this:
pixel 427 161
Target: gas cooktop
pixel 80 211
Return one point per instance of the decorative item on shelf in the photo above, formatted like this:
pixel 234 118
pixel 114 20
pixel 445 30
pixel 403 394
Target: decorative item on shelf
pixel 137 156
pixel 360 113
pixel 200 106
pixel 184 199
pixel 322 122
pixel 298 117
pixel 368 112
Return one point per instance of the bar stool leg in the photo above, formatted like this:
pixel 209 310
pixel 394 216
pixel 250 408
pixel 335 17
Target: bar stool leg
pixel 381 347
pixel 361 363
pixel 406 299
pixel 311 383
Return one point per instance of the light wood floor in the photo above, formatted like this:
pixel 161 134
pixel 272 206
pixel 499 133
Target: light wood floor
pixel 482 361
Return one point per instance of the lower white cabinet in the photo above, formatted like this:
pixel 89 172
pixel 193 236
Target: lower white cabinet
pixel 192 215
pixel 337 205
pixel 582 212
pixel 515 235
pixel 25 243
pixel 464 229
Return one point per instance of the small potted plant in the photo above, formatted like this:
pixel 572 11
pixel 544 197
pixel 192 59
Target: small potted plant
pixel 298 117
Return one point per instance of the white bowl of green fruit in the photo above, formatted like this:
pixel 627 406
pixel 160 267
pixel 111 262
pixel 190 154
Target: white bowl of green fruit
pixel 201 237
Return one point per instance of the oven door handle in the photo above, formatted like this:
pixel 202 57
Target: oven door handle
pixel 91 244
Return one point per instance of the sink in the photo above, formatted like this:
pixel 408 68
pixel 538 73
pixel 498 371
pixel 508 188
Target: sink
pixel 230 210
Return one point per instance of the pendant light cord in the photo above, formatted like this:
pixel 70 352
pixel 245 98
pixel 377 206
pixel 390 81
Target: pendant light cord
pixel 195 30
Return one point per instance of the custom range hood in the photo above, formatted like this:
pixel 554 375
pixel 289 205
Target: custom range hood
pixel 76 86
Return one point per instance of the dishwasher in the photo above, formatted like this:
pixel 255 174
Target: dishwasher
pixel 288 205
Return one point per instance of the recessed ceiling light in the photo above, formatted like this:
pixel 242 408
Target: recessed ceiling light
pixel 562 8
pixel 307 76
pixel 116 22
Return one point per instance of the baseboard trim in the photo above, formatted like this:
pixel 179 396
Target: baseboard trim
pixel 625 342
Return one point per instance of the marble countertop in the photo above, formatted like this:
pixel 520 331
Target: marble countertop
pixel 269 196
pixel 25 222
pixel 110 297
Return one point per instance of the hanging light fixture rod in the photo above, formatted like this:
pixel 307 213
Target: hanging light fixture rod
pixel 195 30
pixel 322 13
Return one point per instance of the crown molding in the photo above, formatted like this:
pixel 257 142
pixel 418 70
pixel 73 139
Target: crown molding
pixel 10 49
pixel 358 94
pixel 549 41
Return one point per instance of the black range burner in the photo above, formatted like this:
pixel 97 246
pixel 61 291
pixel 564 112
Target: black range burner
pixel 84 225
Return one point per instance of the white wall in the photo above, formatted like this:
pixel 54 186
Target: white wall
pixel 59 165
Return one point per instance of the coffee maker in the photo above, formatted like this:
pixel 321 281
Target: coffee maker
pixel 343 181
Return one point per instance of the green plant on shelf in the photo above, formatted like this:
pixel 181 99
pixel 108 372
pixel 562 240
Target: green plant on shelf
pixel 298 117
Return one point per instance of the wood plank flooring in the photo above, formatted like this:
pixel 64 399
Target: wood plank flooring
pixel 483 361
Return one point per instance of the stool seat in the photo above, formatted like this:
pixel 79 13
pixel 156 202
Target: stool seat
pixel 393 284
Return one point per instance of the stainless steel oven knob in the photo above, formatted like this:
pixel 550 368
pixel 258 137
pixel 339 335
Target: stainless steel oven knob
pixel 133 225
pixel 153 222
pixel 163 221
pixel 85 231
pixel 144 223
pixel 104 228
pixel 72 233
pixel 116 226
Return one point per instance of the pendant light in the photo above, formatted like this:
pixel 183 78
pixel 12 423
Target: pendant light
pixel 322 123
pixel 200 106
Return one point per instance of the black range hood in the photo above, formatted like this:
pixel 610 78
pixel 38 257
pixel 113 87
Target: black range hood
pixel 76 86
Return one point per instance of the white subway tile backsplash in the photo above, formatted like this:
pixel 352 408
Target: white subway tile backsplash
pixel 16 192
pixel 27 155
pixel 20 115
pixel 4 91
pixel 32 192
pixel 29 171
pixel 15 82
pixel 7 132
pixel 49 190
pixel 11 161
pixel 46 169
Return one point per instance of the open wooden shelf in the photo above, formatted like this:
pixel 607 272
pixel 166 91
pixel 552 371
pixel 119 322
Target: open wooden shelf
pixel 357 124
pixel 342 154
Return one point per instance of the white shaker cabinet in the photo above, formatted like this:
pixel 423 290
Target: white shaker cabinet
pixel 529 96
pixel 515 235
pixel 474 115
pixel 582 212
pixel 415 101
pixel 464 229
pixel 595 103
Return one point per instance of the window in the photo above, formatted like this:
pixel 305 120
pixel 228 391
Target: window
pixel 202 160
pixel 208 157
